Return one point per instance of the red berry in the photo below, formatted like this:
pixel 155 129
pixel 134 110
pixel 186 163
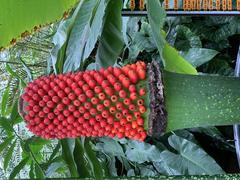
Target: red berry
pixel 127 101
pixel 82 109
pixel 137 114
pixel 97 89
pixel 71 108
pixel 86 115
pixel 67 90
pixel 78 91
pixel 107 103
pixel 132 88
pixel 87 105
pixel 101 96
pixel 142 91
pixel 133 95
pixel 66 101
pixel 109 91
pixel 129 117
pixel 105 114
pixel 142 109
pixel 134 124
pixel 100 107
pixel 118 115
pixel 89 93
pixel 70 119
pixel 76 103
pixel 114 98
pixel 55 99
pixel 94 100
pixel 123 121
pixel 132 107
pixel 119 105
pixel 122 93
pixel 117 86
pixel 112 109
pixel 66 113
pixel 93 111
pixel 110 120
pixel 82 98
pixel 71 96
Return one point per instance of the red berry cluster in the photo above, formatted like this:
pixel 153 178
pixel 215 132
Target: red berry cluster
pixel 91 103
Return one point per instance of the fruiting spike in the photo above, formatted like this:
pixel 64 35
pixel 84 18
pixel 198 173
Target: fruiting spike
pixel 108 102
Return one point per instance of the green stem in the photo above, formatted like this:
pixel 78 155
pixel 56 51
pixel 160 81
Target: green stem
pixel 197 101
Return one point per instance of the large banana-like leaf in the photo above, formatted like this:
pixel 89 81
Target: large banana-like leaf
pixel 18 18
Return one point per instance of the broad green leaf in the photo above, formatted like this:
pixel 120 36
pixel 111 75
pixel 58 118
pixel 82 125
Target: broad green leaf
pixel 67 153
pixel 60 39
pixel 53 167
pixel 31 171
pixel 198 56
pixel 200 101
pixel 15 117
pixel 189 158
pixel 174 62
pixel 5 101
pixel 186 39
pixel 111 40
pixel 80 33
pixel 18 18
pixel 141 152
pixel 6 125
pixel 83 167
pixel 110 146
pixel 39 172
pixel 5 143
pixel 8 155
pixel 156 16
pixel 55 151
pixel 147 171
pixel 14 74
pixel 18 168
pixel 38 141
pixel 98 171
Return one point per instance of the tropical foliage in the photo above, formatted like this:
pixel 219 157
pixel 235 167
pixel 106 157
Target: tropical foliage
pixel 96 35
